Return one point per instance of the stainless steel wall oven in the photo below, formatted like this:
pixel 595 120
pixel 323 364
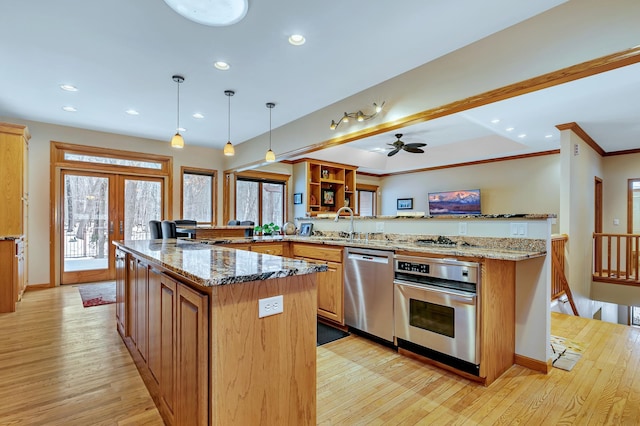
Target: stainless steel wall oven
pixel 436 310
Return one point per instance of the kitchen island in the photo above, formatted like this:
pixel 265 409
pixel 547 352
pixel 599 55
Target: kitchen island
pixel 189 315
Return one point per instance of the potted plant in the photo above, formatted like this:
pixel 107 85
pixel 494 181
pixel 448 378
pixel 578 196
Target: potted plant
pixel 267 229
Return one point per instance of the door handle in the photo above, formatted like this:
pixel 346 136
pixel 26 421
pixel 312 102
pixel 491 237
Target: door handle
pixel 121 227
pixel 111 227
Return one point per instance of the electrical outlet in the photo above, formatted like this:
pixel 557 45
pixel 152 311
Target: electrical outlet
pixel 379 226
pixel 519 229
pixel 270 306
pixel 462 228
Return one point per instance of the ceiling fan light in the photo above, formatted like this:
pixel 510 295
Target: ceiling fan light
pixel 270 157
pixel 177 141
pixel 229 150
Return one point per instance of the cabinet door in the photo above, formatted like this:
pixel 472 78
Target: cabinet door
pixel 330 293
pixel 154 358
pixel 121 295
pixel 131 299
pixel 167 379
pixel 192 358
pixel 142 289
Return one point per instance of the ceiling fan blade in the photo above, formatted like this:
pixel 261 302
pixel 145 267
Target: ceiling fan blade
pixel 413 150
pixel 394 152
pixel 415 145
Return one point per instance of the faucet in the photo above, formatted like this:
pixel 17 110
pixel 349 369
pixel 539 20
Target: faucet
pixel 351 219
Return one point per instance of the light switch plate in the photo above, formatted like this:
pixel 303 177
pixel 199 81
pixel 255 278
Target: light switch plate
pixel 270 306
pixel 379 226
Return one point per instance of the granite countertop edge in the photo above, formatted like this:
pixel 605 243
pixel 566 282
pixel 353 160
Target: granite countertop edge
pixel 259 266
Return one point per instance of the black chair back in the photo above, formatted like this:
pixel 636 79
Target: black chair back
pixel 155 229
pixel 188 224
pixel 248 232
pixel 168 229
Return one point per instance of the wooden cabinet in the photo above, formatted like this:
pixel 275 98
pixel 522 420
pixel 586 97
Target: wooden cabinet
pixel 12 261
pixel 14 203
pixel 329 186
pixel 330 283
pixel 275 249
pixel 142 298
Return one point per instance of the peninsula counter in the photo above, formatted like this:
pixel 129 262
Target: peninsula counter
pixel 188 313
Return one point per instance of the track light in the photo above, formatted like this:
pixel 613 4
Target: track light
pixel 358 116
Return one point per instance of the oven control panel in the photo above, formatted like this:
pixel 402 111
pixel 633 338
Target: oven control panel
pixel 422 268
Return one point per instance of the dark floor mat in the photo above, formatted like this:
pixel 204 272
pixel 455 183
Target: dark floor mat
pixel 328 334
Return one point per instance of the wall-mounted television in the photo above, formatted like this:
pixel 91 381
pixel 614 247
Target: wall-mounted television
pixel 454 202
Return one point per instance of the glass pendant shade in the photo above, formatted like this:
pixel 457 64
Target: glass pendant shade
pixel 229 151
pixel 177 141
pixel 270 157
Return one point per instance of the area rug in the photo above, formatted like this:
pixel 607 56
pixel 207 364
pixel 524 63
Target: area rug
pixel 97 294
pixel 328 334
pixel 565 353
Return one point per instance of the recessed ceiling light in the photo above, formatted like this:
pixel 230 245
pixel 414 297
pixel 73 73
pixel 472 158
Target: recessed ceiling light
pixel 495 120
pixel 182 129
pixel 510 129
pixel 297 39
pixel 69 108
pixel 132 112
pixel 548 136
pixel 69 88
pixel 198 115
pixel 522 135
pixel 221 65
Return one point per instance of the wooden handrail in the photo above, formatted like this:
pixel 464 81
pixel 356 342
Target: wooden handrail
pixel 615 258
pixel 559 283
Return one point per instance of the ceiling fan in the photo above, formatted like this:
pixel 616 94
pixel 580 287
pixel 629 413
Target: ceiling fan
pixel 409 147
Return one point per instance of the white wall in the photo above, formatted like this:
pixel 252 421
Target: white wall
pixel 39 176
pixel 577 215
pixel 528 185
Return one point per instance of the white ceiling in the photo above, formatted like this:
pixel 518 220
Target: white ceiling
pixel 604 105
pixel 121 54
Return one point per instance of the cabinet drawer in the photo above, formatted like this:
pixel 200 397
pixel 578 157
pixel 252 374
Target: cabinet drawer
pixel 318 252
pixel 269 248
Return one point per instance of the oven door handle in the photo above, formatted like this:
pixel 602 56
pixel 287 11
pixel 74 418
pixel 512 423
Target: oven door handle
pixel 455 295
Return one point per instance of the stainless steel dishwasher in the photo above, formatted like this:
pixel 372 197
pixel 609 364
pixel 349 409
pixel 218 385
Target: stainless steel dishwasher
pixel 368 291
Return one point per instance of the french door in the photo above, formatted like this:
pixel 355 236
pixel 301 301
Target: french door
pixel 99 208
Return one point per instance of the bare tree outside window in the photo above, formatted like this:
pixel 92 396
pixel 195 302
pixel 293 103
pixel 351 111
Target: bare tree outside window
pixel 197 197
pixel 260 202
pixel 247 197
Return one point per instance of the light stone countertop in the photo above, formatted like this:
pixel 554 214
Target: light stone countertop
pixel 210 265
pixel 513 249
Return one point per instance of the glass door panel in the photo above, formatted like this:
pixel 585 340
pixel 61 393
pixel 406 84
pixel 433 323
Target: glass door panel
pixel 142 203
pixel 85 227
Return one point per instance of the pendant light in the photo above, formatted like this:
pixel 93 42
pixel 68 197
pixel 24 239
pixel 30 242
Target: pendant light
pixel 270 157
pixel 229 151
pixel 177 141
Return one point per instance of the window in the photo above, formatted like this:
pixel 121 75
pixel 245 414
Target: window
pixel 260 197
pixel 198 195
pixel 635 315
pixel 366 200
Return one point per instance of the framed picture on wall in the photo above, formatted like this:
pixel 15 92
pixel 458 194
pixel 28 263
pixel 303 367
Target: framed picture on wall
pixel 297 198
pixel 328 197
pixel 404 203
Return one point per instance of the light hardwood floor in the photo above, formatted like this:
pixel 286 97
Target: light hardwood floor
pixel 63 364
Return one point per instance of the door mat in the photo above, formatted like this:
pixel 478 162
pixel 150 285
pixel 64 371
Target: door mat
pixel 565 353
pixel 97 294
pixel 328 334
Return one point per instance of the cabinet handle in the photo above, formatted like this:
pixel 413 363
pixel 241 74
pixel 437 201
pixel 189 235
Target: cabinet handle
pixel 121 227
pixel 111 228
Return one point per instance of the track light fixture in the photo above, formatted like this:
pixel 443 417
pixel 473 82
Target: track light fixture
pixel 177 141
pixel 271 156
pixel 229 151
pixel 358 116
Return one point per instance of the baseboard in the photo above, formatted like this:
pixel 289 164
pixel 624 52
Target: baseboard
pixel 533 364
pixel 37 286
